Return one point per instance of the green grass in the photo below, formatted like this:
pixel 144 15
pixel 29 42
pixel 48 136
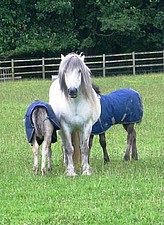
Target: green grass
pixel 121 193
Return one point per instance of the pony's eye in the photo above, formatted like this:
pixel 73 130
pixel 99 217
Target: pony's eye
pixel 79 71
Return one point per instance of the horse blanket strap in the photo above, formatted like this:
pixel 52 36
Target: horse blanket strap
pixel 29 126
pixel 122 106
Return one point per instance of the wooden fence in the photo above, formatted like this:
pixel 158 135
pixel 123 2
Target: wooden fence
pixel 101 65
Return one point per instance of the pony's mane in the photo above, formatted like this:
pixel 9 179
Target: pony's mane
pixel 70 62
pixel 96 89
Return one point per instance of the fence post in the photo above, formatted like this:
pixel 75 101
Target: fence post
pixel 103 65
pixel 163 60
pixel 12 68
pixel 43 68
pixel 133 62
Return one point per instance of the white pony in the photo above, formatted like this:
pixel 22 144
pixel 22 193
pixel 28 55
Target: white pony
pixel 76 106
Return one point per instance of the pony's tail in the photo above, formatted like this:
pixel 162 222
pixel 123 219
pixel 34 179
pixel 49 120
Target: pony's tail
pixel 37 120
pixel 76 144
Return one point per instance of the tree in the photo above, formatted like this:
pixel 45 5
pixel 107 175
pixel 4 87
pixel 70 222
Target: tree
pixel 131 25
pixel 119 25
pixel 50 27
pixel 33 27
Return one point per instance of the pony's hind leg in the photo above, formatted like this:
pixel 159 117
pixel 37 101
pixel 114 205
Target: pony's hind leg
pixel 131 138
pixel 102 140
pixel 134 147
pixel 35 150
pixel 46 148
pixel 49 159
pixel 45 153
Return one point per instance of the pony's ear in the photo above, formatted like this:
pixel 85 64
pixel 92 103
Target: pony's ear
pixel 82 57
pixel 62 56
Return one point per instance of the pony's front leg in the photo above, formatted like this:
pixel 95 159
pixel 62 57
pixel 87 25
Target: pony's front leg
pixel 65 159
pixel 68 153
pixel 102 140
pixel 84 146
pixel 85 160
pixel 70 166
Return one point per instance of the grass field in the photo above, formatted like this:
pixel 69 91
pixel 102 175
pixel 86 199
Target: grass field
pixel 120 193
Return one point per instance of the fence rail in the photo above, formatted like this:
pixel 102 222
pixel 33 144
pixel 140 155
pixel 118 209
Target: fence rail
pixel 100 65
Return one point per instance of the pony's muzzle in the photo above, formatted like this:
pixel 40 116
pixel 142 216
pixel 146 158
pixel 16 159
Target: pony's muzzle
pixel 72 92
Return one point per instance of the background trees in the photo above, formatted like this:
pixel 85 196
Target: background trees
pixel 49 27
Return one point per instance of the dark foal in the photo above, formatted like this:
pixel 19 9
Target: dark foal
pixel 131 134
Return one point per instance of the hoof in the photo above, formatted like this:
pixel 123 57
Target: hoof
pixel 35 169
pixel 50 169
pixel 86 172
pixel 71 173
pixel 43 172
pixel 106 161
pixel 135 155
pixel 126 157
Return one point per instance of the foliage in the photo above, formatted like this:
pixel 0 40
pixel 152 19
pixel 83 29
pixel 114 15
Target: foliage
pixel 130 24
pixel 36 27
pixel 48 27
pixel 119 193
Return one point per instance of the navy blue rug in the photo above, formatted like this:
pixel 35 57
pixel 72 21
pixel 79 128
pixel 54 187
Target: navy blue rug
pixel 122 106
pixel 29 126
